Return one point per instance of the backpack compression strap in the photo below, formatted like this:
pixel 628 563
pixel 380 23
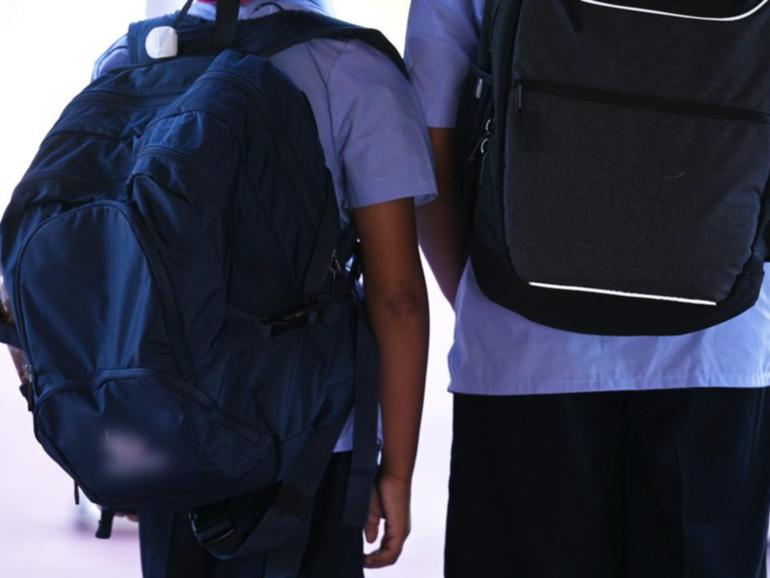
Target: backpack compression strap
pixel 483 55
pixel 226 23
pixel 229 530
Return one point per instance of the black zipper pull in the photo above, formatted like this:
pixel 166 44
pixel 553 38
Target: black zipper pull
pixel 520 106
pixel 77 493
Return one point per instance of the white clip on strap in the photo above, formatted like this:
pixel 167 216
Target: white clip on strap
pixel 162 42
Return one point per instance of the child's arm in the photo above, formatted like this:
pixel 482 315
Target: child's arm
pixel 398 306
pixel 441 231
pixel 442 36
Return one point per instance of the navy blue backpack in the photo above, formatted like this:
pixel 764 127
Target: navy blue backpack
pixel 183 293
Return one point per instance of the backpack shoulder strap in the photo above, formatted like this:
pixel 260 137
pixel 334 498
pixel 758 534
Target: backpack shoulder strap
pixel 265 36
pixel 292 27
pixel 483 56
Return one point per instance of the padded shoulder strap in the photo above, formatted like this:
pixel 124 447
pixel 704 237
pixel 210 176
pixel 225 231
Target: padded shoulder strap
pixel 264 36
pixel 291 27
pixel 483 57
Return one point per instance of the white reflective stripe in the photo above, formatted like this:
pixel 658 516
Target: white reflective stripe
pixel 675 15
pixel 624 294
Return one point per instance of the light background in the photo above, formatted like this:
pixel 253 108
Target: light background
pixel 47 48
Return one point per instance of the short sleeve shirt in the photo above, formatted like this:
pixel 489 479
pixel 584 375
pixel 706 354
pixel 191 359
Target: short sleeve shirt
pixel 370 122
pixel 498 352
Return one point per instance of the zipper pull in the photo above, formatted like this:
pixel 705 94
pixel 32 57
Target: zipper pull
pixel 479 88
pixel 481 146
pixel 520 106
pixel 336 268
pixel 489 126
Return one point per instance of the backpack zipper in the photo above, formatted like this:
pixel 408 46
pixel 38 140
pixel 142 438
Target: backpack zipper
pixel 640 102
pixel 178 344
pixel 98 380
pixel 109 97
pixel 189 161
pixel 159 274
pixel 113 97
pixel 281 148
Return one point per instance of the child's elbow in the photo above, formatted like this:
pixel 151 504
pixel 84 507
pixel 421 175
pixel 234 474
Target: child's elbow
pixel 403 303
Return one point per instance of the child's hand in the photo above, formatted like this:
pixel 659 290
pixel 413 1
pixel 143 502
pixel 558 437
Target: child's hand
pixel 390 501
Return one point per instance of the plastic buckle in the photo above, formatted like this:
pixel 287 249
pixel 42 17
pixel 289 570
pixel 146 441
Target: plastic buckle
pixel 104 530
pixel 336 267
pixel 26 391
pixel 212 524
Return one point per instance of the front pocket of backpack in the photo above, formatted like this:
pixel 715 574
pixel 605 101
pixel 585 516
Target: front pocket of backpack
pixel 137 436
pixel 632 195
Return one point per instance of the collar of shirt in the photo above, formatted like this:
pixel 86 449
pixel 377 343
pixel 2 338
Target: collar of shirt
pixel 256 8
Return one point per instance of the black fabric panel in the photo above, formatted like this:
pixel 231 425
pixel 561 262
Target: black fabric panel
pixel 719 250
pixel 670 484
pixel 226 23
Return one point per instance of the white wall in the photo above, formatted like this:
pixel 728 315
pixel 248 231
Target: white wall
pixel 47 49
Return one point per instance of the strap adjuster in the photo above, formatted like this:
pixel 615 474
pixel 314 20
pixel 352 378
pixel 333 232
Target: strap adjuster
pixel 212 524
pixel 26 391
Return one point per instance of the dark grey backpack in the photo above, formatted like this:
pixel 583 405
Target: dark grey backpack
pixel 620 171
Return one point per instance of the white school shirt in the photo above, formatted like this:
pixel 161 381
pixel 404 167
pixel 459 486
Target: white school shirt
pixel 499 352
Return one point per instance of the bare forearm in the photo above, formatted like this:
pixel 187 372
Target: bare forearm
pixel 439 223
pixel 398 306
pixel 401 323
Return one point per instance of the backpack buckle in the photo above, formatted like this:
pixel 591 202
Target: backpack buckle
pixel 26 391
pixel 336 268
pixel 212 524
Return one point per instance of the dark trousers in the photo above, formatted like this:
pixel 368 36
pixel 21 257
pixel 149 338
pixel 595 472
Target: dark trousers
pixel 663 484
pixel 334 550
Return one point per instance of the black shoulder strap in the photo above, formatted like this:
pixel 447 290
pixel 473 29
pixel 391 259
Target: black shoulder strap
pixel 483 56
pixel 226 23
pixel 291 27
pixel 266 36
